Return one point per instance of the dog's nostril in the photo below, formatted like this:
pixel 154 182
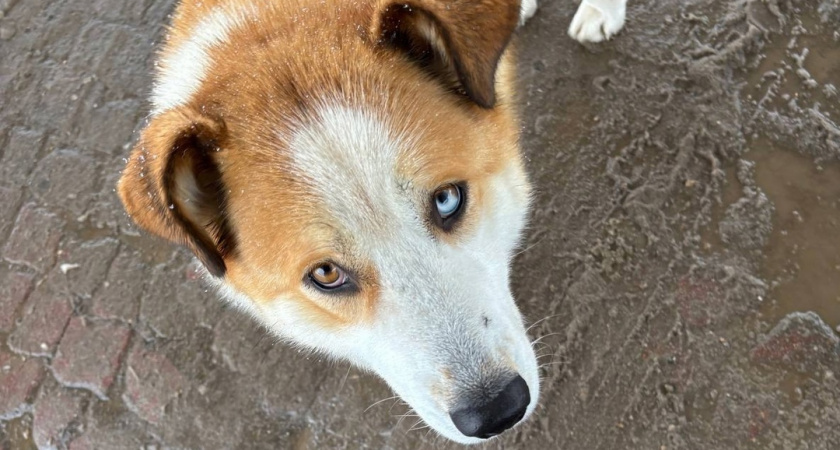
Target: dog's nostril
pixel 490 418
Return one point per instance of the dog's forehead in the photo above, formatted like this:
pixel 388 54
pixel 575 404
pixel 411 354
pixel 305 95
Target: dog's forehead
pixel 349 161
pixel 371 173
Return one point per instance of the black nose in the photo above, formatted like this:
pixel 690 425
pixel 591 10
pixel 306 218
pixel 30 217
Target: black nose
pixel 489 418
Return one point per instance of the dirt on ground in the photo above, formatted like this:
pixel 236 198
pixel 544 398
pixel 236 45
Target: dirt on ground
pixel 681 270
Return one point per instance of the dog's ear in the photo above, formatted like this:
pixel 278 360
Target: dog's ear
pixel 457 40
pixel 172 185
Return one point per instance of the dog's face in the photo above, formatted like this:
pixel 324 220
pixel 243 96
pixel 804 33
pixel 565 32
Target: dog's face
pixel 364 200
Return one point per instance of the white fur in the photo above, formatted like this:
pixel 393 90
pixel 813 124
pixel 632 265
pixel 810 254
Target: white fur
pixel 181 72
pixel 527 10
pixel 597 20
pixel 434 295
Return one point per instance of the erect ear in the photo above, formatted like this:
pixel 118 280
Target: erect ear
pixel 172 185
pixel 460 39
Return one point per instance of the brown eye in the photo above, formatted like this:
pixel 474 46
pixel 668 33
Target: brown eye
pixel 447 205
pixel 328 276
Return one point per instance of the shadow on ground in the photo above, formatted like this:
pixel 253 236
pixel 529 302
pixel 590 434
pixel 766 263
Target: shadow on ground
pixel 686 221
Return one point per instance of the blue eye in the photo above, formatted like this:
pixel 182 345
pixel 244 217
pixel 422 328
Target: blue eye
pixel 448 201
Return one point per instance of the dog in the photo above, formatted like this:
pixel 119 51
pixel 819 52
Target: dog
pixel 349 174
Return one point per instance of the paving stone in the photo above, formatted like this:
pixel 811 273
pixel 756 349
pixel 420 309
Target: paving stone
pixel 126 50
pixel 54 410
pixel 117 429
pixel 109 125
pixel 86 264
pixel 14 288
pixel 119 296
pixel 84 442
pixel 151 382
pixel 173 303
pixel 19 376
pixel 62 178
pixel 45 314
pixel 247 349
pixel 52 95
pixel 34 238
pixel 89 355
pixel 57 40
pixel 9 198
pixel 106 211
pixel 20 155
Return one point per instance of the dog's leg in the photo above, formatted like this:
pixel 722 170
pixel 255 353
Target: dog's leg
pixel 527 10
pixel 597 20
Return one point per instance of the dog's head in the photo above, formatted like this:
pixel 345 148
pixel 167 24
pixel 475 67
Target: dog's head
pixel 352 178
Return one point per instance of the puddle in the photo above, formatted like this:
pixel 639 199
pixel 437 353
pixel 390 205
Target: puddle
pixel 770 74
pixel 16 434
pixel 823 60
pixel 806 70
pixel 802 258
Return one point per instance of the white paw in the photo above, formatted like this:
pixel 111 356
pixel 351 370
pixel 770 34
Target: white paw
pixel 527 10
pixel 597 20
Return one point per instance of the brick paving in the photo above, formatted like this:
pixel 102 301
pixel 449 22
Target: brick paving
pixel 76 364
pixel 108 339
pixel 89 354
pixel 54 411
pixel 19 378
pixel 151 383
pixel 44 316
pixel 34 239
pixel 107 336
pixel 14 288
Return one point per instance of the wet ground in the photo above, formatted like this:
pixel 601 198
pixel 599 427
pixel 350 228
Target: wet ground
pixel 682 267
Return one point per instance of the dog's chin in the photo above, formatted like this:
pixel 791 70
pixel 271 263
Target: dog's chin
pixel 444 427
pixel 461 439
pixel 441 424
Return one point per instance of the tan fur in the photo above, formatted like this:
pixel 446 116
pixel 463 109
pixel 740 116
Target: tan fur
pixel 269 77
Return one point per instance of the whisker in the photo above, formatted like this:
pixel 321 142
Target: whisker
pixel 541 346
pixel 550 363
pixel 529 247
pixel 344 380
pixel 397 400
pixel 541 320
pixel 378 402
pixel 415 427
pixel 543 337
pixel 403 416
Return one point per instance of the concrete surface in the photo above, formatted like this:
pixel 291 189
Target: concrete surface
pixel 687 211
